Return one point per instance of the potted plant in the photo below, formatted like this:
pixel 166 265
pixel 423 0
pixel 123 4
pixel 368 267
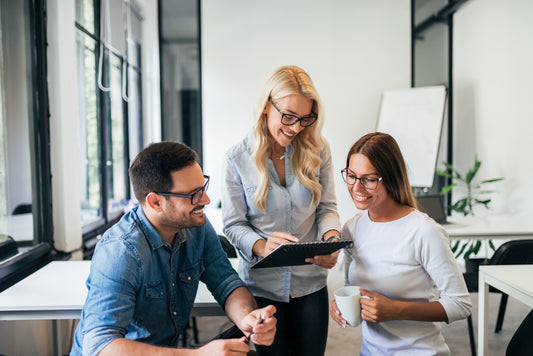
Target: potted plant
pixel 475 195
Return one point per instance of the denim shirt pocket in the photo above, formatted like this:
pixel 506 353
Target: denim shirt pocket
pixel 189 278
pixel 154 307
pixel 249 196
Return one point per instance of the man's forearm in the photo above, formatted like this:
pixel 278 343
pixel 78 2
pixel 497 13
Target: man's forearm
pixel 131 348
pixel 239 304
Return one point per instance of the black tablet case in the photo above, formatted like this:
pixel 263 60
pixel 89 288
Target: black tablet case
pixel 294 254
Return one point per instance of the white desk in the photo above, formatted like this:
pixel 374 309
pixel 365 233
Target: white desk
pixel 57 291
pixel 495 226
pixel 514 280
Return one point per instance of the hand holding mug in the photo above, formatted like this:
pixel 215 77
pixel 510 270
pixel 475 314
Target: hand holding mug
pixel 347 303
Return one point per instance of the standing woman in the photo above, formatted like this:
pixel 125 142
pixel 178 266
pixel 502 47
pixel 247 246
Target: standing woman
pixel 401 258
pixel 279 189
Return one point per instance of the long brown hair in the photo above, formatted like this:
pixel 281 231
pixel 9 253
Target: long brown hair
pixel 384 154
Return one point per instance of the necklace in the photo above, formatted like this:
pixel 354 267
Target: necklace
pixel 273 155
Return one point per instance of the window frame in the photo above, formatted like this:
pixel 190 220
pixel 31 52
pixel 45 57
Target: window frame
pixel 93 230
pixel 41 250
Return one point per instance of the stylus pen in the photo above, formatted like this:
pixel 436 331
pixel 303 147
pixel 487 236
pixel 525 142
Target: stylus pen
pixel 252 332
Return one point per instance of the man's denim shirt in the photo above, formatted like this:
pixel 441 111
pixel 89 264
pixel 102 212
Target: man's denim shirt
pixel 142 289
pixel 289 209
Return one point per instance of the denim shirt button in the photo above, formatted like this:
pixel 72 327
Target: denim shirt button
pixel 174 313
pixel 189 278
pixel 173 284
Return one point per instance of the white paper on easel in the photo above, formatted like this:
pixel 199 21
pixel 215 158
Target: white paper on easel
pixel 414 117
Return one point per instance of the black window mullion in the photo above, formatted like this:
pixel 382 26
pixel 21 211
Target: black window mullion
pixel 104 122
pixel 42 191
pixel 125 128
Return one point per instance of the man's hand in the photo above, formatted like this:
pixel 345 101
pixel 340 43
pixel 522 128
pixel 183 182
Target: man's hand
pixel 263 334
pixel 229 347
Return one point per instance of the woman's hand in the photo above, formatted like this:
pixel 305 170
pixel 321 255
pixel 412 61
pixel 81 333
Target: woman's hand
pixel 276 239
pixel 324 261
pixel 379 308
pixel 335 314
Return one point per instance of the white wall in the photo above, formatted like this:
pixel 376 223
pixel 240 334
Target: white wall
pixel 64 153
pixel 151 77
pixel 493 114
pixel 353 51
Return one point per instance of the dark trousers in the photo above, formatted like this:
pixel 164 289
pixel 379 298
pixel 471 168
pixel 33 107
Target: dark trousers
pixel 522 341
pixel 302 326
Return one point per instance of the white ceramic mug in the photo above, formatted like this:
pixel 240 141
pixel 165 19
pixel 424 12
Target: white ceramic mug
pixel 347 299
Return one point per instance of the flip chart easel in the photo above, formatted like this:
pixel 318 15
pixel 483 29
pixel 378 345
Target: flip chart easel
pixel 414 117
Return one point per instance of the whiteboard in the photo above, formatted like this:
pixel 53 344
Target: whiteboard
pixel 414 118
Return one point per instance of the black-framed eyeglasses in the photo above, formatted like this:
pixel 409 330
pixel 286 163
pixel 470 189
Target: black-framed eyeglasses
pixel 195 197
pixel 289 119
pixel 369 182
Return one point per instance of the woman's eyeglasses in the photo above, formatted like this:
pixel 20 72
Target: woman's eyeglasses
pixel 369 182
pixel 289 120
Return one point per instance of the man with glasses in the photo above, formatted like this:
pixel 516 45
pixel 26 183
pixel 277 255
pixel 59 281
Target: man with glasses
pixel 146 269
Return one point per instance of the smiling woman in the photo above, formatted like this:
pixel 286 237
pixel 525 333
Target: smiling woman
pixel 279 189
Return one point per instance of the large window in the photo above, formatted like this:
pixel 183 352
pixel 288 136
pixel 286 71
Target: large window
pixel 25 202
pixel 109 99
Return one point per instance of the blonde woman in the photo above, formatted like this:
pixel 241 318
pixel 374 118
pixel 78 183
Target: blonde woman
pixel 279 189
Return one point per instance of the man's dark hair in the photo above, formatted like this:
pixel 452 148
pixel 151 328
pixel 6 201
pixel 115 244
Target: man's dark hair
pixel 150 170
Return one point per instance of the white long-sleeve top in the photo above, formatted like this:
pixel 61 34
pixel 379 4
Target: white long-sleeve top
pixel 408 259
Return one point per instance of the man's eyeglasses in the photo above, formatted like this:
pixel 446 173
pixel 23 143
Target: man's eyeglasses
pixel 195 197
pixel 289 120
pixel 367 181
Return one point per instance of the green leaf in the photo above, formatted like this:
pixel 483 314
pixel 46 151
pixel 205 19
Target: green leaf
pixel 491 180
pixel 476 246
pixel 460 206
pixel 447 189
pixel 454 246
pixel 486 191
pixel 484 202
pixel 461 250
pixel 473 171
pixel 443 173
pixel 467 254
pixel 447 165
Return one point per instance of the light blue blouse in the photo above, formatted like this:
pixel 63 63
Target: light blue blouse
pixel 289 209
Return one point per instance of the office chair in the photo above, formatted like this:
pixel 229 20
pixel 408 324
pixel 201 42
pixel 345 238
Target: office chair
pixel 516 252
pixel 22 209
pixel 521 344
pixel 227 247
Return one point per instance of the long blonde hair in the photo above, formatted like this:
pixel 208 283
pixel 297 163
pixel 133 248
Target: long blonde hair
pixel 288 80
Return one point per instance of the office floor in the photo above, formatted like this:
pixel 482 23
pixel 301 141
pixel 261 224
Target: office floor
pixel 346 342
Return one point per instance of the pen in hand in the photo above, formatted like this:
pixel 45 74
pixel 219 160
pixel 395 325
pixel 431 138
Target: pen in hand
pixel 252 332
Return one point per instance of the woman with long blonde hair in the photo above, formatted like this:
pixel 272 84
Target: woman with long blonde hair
pixel 279 189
